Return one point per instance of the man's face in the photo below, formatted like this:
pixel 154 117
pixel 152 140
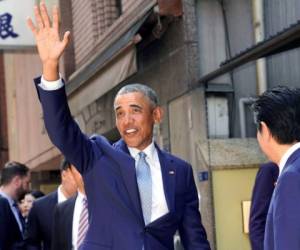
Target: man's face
pixel 135 118
pixel 68 183
pixel 23 185
pixel 78 179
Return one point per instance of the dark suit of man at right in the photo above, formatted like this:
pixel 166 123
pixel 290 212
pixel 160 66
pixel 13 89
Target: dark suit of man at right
pixel 277 115
pixel 40 218
pixel 264 185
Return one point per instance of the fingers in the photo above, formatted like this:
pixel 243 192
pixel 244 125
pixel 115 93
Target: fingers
pixel 45 15
pixel 38 17
pixel 55 18
pixel 41 16
pixel 31 26
pixel 66 38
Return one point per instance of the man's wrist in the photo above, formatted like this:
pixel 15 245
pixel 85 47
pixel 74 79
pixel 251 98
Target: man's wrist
pixel 50 71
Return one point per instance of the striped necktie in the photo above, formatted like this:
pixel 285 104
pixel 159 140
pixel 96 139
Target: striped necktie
pixel 144 181
pixel 83 223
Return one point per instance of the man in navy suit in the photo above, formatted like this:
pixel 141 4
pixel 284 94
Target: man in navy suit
pixel 63 224
pixel 128 210
pixel 67 214
pixel 277 115
pixel 40 218
pixel 15 179
pixel 261 197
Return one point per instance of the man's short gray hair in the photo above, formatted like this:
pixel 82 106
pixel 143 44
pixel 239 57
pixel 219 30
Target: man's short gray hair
pixel 141 88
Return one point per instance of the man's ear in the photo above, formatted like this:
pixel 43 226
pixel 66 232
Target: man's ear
pixel 158 114
pixel 265 131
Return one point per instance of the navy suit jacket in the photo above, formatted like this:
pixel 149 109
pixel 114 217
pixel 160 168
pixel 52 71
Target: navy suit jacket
pixel 283 220
pixel 63 225
pixel 10 235
pixel 261 197
pixel 40 220
pixel 116 220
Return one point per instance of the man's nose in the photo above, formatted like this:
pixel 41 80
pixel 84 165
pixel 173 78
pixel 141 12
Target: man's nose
pixel 128 118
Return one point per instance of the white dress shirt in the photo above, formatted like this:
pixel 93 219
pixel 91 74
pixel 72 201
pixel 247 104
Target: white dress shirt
pixel 159 204
pixel 76 217
pixel 286 156
pixel 53 85
pixel 60 196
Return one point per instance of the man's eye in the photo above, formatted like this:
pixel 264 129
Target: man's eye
pixel 119 114
pixel 136 110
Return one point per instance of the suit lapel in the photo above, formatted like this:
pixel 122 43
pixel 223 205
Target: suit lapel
pixel 129 176
pixel 168 172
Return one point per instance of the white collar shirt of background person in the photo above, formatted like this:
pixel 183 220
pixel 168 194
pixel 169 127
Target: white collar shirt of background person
pixel 13 208
pixel 76 217
pixel 159 205
pixel 286 156
pixel 60 196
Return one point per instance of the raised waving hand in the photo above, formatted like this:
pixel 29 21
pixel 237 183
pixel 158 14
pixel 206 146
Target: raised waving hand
pixel 49 44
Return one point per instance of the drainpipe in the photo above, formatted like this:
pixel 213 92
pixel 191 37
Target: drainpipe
pixel 259 35
pixel 261 68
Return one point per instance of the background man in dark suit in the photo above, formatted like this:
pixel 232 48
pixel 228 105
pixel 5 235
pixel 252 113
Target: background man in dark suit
pixel 15 179
pixel 67 218
pixel 40 218
pixel 277 114
pixel 261 197
pixel 138 195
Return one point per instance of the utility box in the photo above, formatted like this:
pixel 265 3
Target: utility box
pixel 218 118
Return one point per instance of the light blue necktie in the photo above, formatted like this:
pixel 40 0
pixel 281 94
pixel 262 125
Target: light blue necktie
pixel 144 181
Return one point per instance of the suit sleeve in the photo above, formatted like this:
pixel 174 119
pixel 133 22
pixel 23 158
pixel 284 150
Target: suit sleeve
pixel 63 131
pixel 261 197
pixel 32 235
pixel 286 216
pixel 191 230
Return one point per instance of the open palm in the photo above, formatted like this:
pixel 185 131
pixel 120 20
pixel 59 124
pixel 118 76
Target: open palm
pixel 49 44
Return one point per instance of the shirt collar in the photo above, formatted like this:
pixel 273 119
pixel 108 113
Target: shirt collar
pixel 8 198
pixel 60 196
pixel 149 151
pixel 80 195
pixel 286 156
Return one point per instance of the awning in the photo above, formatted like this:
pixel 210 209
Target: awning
pixel 284 40
pixel 99 61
